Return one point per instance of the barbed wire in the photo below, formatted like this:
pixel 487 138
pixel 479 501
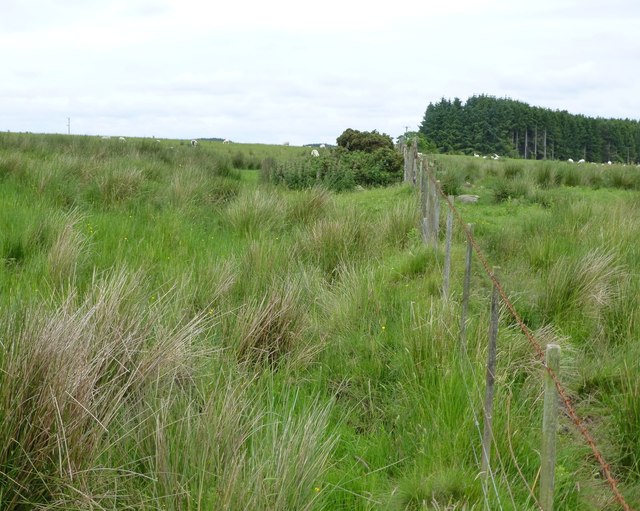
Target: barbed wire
pixel 562 392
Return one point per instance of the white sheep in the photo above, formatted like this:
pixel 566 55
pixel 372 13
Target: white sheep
pixel 106 138
pixel 570 160
pixel 609 162
pixel 122 139
pixel 226 141
pixel 194 143
pixel 495 157
pixel 322 146
pixel 315 153
pixel 285 143
pixel 581 160
pixel 476 155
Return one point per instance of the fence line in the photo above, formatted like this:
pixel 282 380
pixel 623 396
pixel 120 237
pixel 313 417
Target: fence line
pixel 433 189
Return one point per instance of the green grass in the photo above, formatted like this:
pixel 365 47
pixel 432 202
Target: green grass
pixel 178 335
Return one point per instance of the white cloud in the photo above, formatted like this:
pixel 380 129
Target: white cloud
pixel 274 71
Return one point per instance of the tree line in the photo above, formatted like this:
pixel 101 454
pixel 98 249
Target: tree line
pixel 488 125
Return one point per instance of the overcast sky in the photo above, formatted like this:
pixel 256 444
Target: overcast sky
pixel 303 72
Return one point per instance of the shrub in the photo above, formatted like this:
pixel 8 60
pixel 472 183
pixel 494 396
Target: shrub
pixel 366 141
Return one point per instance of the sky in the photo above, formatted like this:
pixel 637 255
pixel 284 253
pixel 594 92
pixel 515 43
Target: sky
pixel 289 71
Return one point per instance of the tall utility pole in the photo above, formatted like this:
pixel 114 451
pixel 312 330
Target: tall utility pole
pixel 68 125
pixel 535 144
pixel 545 144
pixel 526 143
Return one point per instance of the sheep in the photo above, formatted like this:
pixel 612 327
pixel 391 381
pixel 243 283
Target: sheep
pixel 106 138
pixel 495 157
pixel 226 141
pixel 194 143
pixel 122 139
pixel 581 160
pixel 609 162
pixel 285 143
pixel 322 146
pixel 476 155
pixel 570 160
pixel 315 153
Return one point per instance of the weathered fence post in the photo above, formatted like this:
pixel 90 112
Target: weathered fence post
pixel 405 154
pixel 426 203
pixel 447 252
pixel 491 377
pixel 414 161
pixel 466 289
pixel 549 428
pixel 435 218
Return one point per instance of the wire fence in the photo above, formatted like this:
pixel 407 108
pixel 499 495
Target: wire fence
pixel 420 173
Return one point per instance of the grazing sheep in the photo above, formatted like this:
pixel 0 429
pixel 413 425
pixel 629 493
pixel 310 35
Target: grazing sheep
pixel 476 155
pixel 322 146
pixel 570 160
pixel 122 139
pixel 226 141
pixel 106 138
pixel 495 157
pixel 315 153
pixel 581 160
pixel 609 162
pixel 194 143
pixel 285 143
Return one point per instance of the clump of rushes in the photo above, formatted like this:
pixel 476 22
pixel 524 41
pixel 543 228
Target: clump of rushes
pixel 271 329
pixel 67 380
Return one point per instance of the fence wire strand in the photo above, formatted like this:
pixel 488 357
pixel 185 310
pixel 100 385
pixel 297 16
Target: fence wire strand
pixel 562 392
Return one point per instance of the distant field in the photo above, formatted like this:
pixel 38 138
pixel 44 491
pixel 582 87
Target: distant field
pixel 177 334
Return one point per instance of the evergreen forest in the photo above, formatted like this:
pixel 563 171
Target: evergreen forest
pixel 488 125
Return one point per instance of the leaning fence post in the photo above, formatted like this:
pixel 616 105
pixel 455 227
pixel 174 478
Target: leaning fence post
pixel 549 428
pixel 466 288
pixel 491 377
pixel 447 252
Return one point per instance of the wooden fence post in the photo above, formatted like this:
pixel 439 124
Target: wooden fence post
pixel 436 214
pixel 405 154
pixel 426 204
pixel 414 161
pixel 466 289
pixel 491 377
pixel 447 252
pixel 549 428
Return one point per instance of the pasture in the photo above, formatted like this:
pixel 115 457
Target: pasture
pixel 179 334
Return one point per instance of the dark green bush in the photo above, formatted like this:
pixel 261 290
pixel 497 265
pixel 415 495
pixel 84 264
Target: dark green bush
pixel 366 141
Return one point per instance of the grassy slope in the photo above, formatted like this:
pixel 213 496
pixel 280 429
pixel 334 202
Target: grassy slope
pixel 291 350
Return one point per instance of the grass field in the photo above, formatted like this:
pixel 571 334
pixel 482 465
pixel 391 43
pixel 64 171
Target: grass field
pixel 178 335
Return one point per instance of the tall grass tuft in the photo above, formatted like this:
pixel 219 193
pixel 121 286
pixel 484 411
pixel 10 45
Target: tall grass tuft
pixel 271 329
pixel 70 377
pixel 543 175
pixel 64 255
pixel 586 284
pixel 309 205
pixel 331 241
pixel 256 212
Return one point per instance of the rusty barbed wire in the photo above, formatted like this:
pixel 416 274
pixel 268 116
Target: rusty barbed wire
pixel 562 392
